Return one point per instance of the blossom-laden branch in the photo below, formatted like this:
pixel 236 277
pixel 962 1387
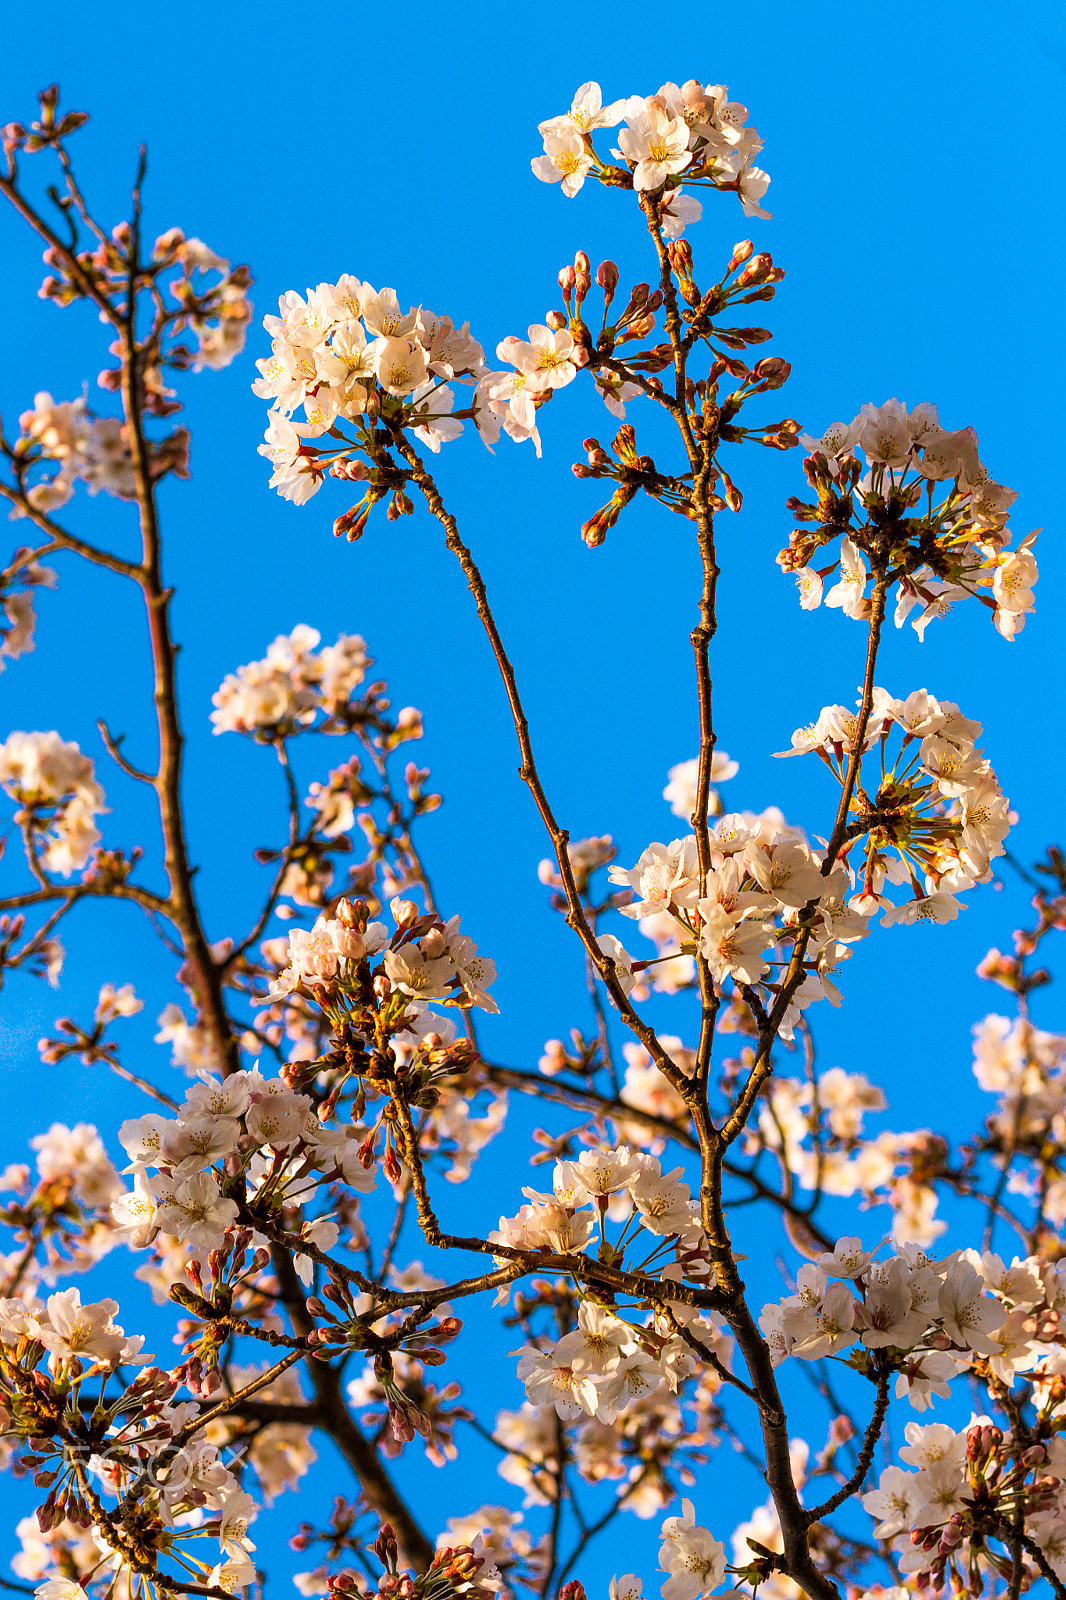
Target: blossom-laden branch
pixel 274 1202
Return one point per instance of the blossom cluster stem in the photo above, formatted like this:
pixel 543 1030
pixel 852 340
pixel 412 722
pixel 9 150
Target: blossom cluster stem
pixel 180 904
pixel 763 1066
pixel 167 780
pixel 701 464
pixel 575 915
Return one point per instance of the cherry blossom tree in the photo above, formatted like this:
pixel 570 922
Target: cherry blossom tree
pixel 280 1188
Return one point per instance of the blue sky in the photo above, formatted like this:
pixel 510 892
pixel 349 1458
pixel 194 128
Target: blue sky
pixel 916 163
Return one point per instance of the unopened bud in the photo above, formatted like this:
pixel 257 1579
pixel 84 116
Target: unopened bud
pixel 757 271
pixel 607 277
pixel 385 1547
pixel 572 1591
pixel 733 497
pixel 404 912
pixel 772 371
pixel 680 253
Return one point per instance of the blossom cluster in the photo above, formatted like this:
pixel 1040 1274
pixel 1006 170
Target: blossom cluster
pixel 938 551
pixel 55 786
pixel 966 1488
pixel 607 1362
pixel 207 296
pixel 85 1336
pixel 346 354
pixel 639 1451
pixel 17 619
pixel 213 299
pixel 671 970
pixel 555 350
pixel 83 1342
pixel 815 1130
pixel 423 960
pixel 935 1316
pixel 245 1125
pixel 296 688
pixel 1026 1067
pixel 384 1032
pixel 694 1560
pixel 94 450
pixel 192 290
pixel 294 684
pixel 762 876
pixel 937 811
pixel 67 1201
pixel 687 134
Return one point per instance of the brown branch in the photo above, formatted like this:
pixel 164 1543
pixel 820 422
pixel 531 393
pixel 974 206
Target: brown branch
pixel 61 540
pixel 708 1355
pixel 866 1454
pixel 700 453
pixel 224 1406
pixel 145 898
pixel 1033 1549
pixel 286 856
pixel 65 257
pixel 794 975
pixel 575 915
pixel 142 1083
pixel 111 745
pixel 182 907
pixel 583 1269
pixel 334 1418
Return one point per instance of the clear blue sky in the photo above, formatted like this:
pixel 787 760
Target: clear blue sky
pixel 916 160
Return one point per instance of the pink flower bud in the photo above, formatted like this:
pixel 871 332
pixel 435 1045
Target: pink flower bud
pixel 607 276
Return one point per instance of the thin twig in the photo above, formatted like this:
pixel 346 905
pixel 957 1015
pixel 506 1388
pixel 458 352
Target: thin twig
pixel 866 1454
